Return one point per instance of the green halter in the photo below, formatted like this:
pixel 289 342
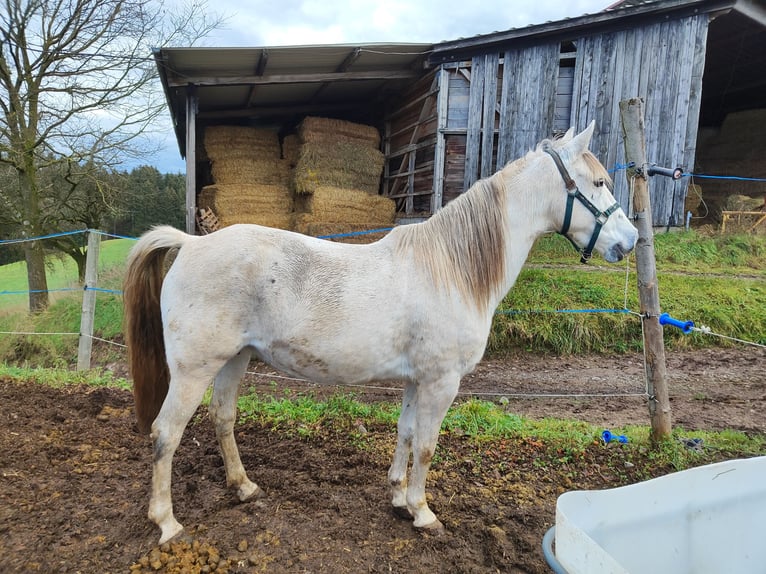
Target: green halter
pixel 574 193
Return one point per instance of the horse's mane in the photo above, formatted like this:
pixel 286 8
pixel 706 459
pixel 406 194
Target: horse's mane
pixel 463 244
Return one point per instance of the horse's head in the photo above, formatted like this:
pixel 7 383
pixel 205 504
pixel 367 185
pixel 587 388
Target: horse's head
pixel 589 215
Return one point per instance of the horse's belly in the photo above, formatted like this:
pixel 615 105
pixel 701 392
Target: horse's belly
pixel 336 364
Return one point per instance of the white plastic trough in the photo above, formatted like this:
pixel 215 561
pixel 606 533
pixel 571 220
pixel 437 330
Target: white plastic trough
pixel 710 519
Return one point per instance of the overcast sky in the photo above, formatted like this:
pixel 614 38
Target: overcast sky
pixel 299 22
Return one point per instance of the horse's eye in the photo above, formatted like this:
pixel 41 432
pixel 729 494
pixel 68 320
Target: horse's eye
pixel 599 182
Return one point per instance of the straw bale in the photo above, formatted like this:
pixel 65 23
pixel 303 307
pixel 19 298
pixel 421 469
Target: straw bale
pixel 290 149
pixel 344 164
pixel 233 170
pixel 234 200
pixel 739 202
pixel 320 130
pixel 305 223
pixel 229 141
pixel 346 206
pixel 693 201
pixel 268 220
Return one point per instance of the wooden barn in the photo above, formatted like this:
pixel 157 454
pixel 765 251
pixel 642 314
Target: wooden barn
pixel 452 112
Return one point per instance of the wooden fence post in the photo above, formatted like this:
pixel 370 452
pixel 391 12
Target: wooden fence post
pixel 632 114
pixel 88 302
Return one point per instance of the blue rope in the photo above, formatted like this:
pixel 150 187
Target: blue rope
pixel 38 291
pixel 531 311
pixel 621 166
pixel 24 240
pixel 115 291
pixel 732 177
pixel 353 233
pixel 112 235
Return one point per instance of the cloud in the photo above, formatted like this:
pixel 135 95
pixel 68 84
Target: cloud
pixel 300 22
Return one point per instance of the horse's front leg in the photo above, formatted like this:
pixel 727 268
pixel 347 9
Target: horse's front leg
pixel 433 401
pixel 397 474
pixel 223 411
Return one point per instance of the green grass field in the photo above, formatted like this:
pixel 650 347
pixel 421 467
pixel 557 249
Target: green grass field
pixel 62 274
pixel 716 281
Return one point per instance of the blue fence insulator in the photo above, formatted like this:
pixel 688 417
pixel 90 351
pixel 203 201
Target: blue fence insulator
pixel 685 326
pixel 608 437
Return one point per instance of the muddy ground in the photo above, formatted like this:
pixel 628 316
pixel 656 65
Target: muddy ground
pixel 75 474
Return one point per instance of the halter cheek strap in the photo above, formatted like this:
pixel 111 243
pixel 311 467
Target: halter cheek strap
pixel 573 193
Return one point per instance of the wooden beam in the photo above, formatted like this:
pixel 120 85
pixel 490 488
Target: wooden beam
pixel 191 159
pixel 343 67
pixel 271 111
pixel 181 81
pixel 260 69
pixel 442 105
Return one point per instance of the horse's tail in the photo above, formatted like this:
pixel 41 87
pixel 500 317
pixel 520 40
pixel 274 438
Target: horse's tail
pixel 143 321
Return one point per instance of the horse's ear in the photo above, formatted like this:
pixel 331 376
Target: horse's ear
pixel 567 136
pixel 581 141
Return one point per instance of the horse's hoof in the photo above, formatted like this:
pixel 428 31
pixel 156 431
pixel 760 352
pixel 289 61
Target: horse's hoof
pixel 251 493
pixel 402 512
pixel 172 533
pixel 435 528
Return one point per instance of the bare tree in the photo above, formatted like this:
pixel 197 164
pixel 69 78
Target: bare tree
pixel 77 88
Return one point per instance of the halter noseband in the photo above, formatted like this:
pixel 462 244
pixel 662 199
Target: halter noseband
pixel 573 192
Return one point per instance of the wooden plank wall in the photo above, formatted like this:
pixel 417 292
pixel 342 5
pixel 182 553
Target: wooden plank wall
pixel 661 63
pixel 501 104
pixel 410 142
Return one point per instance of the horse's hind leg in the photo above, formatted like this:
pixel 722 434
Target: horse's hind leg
pixel 223 410
pixel 185 393
pixel 397 474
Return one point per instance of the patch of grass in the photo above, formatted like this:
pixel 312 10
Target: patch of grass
pixel 484 422
pixel 305 416
pixel 63 316
pixel 62 377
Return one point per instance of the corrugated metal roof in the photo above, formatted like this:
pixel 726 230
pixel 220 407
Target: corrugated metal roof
pixel 626 14
pixel 268 84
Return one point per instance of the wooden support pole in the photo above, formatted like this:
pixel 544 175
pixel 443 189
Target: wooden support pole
pixel 191 159
pixel 632 114
pixel 88 302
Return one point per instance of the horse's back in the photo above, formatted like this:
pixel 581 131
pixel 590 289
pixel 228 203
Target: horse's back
pixel 312 307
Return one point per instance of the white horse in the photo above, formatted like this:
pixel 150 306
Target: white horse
pixel 416 305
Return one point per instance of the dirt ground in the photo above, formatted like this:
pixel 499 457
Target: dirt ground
pixel 75 474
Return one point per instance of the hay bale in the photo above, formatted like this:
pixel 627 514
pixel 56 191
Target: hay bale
pixel 290 149
pixel 323 130
pixel 346 206
pixel 264 204
pixel 743 203
pixel 693 201
pixel 343 165
pixel 305 223
pixel 223 142
pixel 267 220
pixel 234 170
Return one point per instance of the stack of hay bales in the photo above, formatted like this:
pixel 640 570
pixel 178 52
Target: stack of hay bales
pixel 734 151
pixel 337 176
pixel 251 180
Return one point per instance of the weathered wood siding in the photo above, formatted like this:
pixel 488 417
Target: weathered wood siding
pixel 663 64
pixel 410 143
pixel 477 115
